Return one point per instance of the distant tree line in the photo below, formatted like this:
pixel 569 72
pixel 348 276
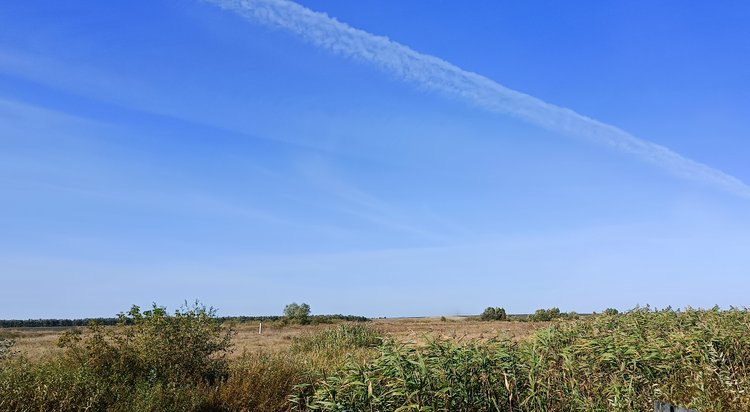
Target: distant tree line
pixel 54 323
pixel 540 315
pixel 311 319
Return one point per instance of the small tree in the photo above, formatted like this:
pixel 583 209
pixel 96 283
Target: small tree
pixel 541 315
pixel 493 314
pixel 297 313
pixel 545 315
pixel 572 315
pixel 611 311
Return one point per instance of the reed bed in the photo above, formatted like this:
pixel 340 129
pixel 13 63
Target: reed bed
pixel 697 359
pixel 616 362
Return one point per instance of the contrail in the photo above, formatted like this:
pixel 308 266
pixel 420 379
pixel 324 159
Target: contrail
pixel 437 74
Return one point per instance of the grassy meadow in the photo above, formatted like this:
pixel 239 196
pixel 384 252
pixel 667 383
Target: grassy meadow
pixel 189 360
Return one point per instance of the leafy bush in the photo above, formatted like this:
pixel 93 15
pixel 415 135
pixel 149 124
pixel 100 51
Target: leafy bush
pixel 493 314
pixel 295 313
pixel 611 311
pixel 545 315
pixel 571 315
pixel 156 362
pixel 188 346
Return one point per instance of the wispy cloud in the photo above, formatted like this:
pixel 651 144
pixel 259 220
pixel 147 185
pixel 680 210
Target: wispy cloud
pixel 69 155
pixel 143 95
pixel 436 74
pixel 352 200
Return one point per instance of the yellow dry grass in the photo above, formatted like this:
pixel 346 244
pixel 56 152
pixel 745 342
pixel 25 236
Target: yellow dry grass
pixel 417 330
pixel 34 343
pixel 40 343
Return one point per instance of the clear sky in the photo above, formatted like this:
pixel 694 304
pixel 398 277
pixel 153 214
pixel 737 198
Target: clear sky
pixel 157 151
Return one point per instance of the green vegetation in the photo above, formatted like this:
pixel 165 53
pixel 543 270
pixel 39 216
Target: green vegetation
pixel 261 382
pixel 493 314
pixel 57 323
pixel 546 315
pixel 343 337
pixel 698 359
pixel 611 311
pixel 294 313
pixel 6 348
pixel 156 361
pixel 325 352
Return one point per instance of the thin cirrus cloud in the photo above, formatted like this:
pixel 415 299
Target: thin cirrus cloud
pixel 436 74
pixel 354 201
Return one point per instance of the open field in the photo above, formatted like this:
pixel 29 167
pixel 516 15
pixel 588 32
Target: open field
pixel 40 343
pixel 35 343
pixel 183 362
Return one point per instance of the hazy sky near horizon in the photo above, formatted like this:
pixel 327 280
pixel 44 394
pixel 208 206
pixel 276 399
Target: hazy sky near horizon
pixel 161 151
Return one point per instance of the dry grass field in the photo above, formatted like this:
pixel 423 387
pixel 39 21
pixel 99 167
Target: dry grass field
pixel 40 343
pixel 34 343
pixel 621 362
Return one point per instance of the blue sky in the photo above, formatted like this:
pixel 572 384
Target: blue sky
pixel 171 150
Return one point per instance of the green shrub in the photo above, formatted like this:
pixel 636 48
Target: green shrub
pixel 611 311
pixel 571 315
pixel 294 313
pixel 50 386
pixel 442 376
pixel 545 315
pixel 493 314
pixel 152 362
pixel 153 346
pixel 343 337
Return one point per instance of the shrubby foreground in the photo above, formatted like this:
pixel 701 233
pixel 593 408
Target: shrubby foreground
pixel 157 361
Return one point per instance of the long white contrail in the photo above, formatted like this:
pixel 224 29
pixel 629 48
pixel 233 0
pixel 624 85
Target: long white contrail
pixel 439 75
